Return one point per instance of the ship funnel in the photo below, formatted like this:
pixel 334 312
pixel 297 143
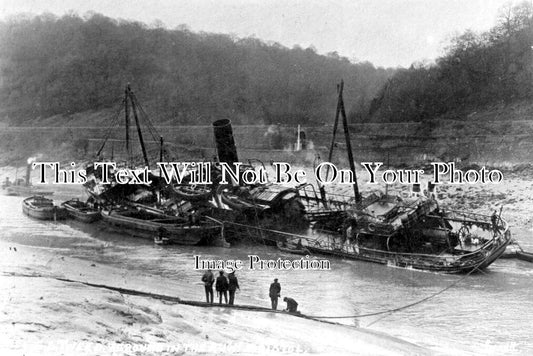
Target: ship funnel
pixel 28 174
pixel 227 152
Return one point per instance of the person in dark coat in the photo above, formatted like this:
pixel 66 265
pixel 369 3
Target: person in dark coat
pixel 275 290
pixel 494 220
pixel 209 279
pixel 291 304
pixel 222 287
pixel 233 285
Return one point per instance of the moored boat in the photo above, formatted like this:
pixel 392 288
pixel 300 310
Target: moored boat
pixel 42 208
pixel 414 234
pixel 23 186
pixel 171 229
pixel 81 211
pixel 23 190
pixel 458 262
pixel 417 234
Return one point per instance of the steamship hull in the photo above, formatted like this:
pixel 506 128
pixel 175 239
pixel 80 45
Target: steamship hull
pixel 417 234
pixel 414 235
pixel 16 190
pixel 448 263
pixel 443 263
pixel 23 187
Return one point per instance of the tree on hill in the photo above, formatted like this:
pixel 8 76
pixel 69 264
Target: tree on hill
pixel 477 70
pixel 59 66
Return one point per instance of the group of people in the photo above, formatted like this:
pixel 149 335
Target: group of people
pixel 230 284
pixel 223 285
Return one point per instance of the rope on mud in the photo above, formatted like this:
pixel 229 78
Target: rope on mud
pixel 176 300
pixel 407 305
pixel 123 290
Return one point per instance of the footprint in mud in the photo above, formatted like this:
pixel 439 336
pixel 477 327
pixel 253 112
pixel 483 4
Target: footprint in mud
pixel 33 327
pixel 150 312
pixel 159 335
pixel 104 325
pixel 176 315
pixel 182 327
pixel 116 299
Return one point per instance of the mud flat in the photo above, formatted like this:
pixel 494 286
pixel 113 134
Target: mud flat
pixel 42 315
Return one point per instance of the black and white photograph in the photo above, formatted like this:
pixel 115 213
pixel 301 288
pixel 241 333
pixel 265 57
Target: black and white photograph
pixel 260 177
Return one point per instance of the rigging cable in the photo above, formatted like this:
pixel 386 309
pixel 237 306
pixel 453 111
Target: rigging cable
pixel 114 122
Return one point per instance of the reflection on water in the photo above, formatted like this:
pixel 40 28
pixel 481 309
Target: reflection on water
pixel 485 313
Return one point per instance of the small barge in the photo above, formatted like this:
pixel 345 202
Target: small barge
pixel 81 211
pixel 41 208
pixel 165 228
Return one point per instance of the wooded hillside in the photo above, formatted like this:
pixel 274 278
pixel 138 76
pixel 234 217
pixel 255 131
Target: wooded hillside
pixel 52 66
pixel 478 71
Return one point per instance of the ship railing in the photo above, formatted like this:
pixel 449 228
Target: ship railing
pixel 464 215
pixel 475 219
pixel 312 199
pixel 308 194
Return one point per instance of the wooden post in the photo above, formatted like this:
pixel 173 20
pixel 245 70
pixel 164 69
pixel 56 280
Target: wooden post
pixel 160 153
pixel 298 142
pixel 388 166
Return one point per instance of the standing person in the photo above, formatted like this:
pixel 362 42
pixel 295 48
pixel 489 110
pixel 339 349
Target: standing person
pixel 494 220
pixel 291 304
pixel 275 290
pixel 222 287
pixel 208 278
pixel 233 285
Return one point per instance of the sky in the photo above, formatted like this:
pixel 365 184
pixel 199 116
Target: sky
pixel 387 33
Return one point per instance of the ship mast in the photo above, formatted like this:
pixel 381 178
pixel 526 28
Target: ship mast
pixel 342 112
pixel 131 96
pixel 127 111
pixel 348 144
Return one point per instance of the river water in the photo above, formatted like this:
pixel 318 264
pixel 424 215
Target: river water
pixel 485 313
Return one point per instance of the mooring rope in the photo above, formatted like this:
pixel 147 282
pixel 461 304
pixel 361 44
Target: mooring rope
pixel 393 310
